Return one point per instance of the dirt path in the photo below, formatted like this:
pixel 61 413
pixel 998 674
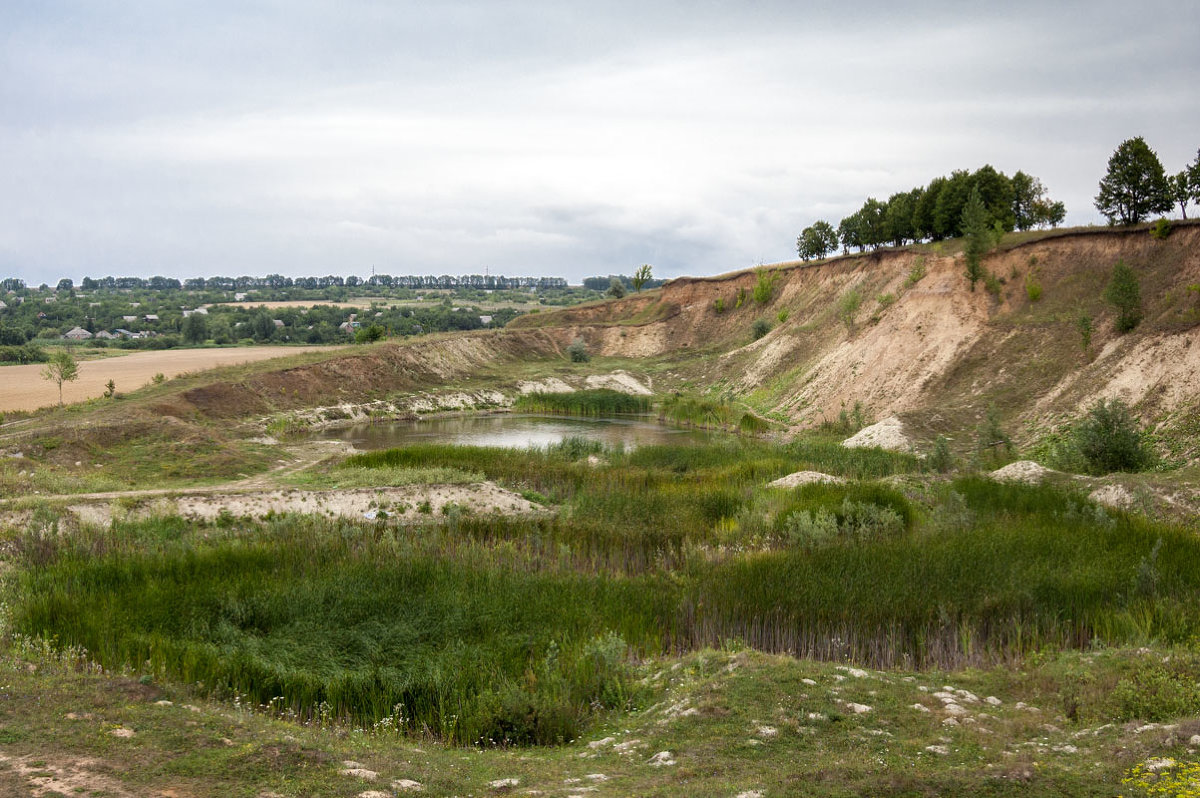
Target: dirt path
pixel 23 388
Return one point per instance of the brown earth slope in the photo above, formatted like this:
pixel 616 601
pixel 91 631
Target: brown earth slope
pixel 930 348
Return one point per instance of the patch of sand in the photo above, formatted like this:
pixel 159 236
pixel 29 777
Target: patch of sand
pixel 1116 496
pixel 548 385
pixel 1025 471
pixel 79 777
pixel 401 503
pixel 621 381
pixel 887 434
pixel 805 478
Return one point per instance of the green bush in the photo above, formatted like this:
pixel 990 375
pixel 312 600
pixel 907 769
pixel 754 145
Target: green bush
pixel 940 459
pixel 1033 286
pixel 1110 440
pixel 764 286
pixel 1124 293
pixel 578 351
pixel 760 328
pixel 848 305
pixel 719 305
pixel 1161 229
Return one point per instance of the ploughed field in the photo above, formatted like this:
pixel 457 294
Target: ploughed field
pixel 23 387
pixel 483 629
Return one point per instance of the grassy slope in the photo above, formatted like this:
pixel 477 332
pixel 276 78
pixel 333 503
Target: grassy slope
pixel 733 723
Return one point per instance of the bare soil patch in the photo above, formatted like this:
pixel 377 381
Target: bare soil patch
pixel 22 387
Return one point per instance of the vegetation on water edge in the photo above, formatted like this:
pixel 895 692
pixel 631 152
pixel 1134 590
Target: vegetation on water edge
pixel 589 403
pixel 482 629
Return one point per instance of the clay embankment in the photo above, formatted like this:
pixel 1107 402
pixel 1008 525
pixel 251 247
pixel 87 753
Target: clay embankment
pixel 930 348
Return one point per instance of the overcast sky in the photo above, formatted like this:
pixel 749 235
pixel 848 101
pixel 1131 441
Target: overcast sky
pixel 544 138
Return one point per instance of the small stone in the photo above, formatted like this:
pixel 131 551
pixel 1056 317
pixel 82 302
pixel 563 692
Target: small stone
pixel 163 703
pixel 809 682
pixel 503 784
pixel 920 707
pixel 123 732
pixel 662 759
pixel 993 701
pixel 360 772
pixel 602 743
pixel 858 709
pixel 937 749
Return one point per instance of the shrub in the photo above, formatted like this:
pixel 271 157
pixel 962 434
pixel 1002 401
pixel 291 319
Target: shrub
pixel 760 328
pixel 764 287
pixel 991 283
pixel 1161 229
pixel 719 304
pixel 578 351
pixel 783 314
pixel 1033 286
pixel 1124 293
pixel 740 299
pixel 848 305
pixel 886 300
pixel 1084 325
pixel 940 459
pixel 616 288
pixel 1110 440
pixel 993 443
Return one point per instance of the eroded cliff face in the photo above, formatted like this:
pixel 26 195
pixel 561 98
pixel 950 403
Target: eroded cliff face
pixel 921 343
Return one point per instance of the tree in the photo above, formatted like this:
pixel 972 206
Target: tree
pixel 195 328
pixel 1124 293
pixel 1135 185
pixel 641 276
pixel 616 288
pixel 1109 439
pixel 850 232
pixel 817 241
pixel 976 229
pixel 61 368
pixel 1055 213
pixel 1181 191
pixel 1194 179
pixel 996 191
pixel 898 219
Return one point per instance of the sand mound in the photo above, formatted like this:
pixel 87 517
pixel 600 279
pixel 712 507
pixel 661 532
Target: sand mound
pixel 621 381
pixel 548 385
pixel 887 434
pixel 1025 471
pixel 805 478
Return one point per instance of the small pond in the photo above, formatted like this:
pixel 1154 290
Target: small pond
pixel 514 430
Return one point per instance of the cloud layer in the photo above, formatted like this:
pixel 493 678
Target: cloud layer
pixel 542 138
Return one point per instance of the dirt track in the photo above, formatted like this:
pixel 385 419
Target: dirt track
pixel 23 388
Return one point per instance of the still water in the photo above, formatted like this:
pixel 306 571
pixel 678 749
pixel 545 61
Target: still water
pixel 514 431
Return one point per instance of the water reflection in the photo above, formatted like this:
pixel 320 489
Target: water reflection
pixel 514 431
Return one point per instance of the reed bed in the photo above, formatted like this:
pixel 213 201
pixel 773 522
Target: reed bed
pixel 497 630
pixel 597 403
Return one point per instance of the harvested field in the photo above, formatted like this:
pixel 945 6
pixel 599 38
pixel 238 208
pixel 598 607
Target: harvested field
pixel 23 388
